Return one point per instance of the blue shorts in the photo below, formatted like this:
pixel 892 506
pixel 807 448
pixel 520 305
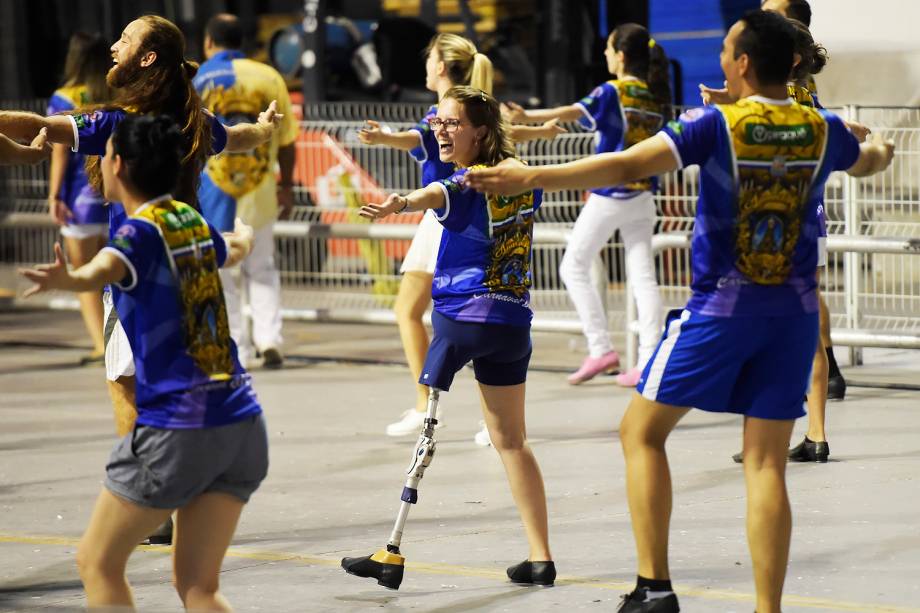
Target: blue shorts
pixel 500 353
pixel 756 366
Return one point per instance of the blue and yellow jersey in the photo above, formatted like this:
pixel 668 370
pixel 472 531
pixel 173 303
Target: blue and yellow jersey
pixel 483 271
pixel 806 95
pixel 243 184
pixel 622 113
pixel 83 201
pixel 171 305
pixel 763 166
pixel 428 152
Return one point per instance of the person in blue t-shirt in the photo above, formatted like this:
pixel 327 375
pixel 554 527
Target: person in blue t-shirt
pixel 745 341
pixel 481 296
pixel 149 75
pixel 621 112
pixel 199 444
pixel 450 60
pixel 72 203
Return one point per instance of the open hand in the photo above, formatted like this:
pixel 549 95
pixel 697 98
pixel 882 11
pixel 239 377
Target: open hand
pixel 860 131
pixel 551 128
pixel 394 203
pixel 41 145
pixel 371 133
pixel 47 276
pixel 711 95
pixel 59 211
pixel 271 116
pixel 513 112
pixel 504 179
pixel 887 145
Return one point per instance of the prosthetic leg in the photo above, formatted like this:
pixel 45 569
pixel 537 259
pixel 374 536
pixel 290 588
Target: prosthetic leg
pixel 387 565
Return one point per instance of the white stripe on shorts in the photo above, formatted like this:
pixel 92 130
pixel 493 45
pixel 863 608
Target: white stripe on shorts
pixel 655 373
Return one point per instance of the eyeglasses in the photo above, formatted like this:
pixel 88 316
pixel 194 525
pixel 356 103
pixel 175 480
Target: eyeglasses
pixel 449 125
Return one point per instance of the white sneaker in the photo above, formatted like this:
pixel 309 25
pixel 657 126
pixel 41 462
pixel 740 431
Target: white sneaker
pixel 482 437
pixel 411 422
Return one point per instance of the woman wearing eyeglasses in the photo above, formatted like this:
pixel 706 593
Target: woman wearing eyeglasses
pixel 481 296
pixel 451 60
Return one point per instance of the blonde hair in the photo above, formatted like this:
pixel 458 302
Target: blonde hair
pixel 483 110
pixel 465 65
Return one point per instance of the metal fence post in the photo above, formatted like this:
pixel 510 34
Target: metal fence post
pixel 851 261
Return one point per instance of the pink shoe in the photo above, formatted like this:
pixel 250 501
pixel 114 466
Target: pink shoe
pixel 592 367
pixel 630 378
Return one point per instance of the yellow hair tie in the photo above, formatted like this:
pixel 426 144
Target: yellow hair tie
pixel 651 43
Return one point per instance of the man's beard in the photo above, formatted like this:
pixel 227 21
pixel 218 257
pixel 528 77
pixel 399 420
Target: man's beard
pixel 124 73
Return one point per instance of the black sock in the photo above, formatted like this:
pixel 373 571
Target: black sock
pixel 832 369
pixel 653 585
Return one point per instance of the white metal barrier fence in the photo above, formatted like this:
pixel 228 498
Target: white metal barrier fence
pixel 336 267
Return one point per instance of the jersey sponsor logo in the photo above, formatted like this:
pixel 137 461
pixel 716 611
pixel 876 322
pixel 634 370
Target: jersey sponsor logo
pixel 691 115
pixel 676 127
pixel 801 135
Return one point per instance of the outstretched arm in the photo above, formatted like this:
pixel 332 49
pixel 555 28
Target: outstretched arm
pixel 429 197
pixel 12 152
pixel 549 130
pixel 651 157
pixel 22 126
pixel 373 134
pixel 103 269
pixel 875 155
pixel 515 113
pixel 248 136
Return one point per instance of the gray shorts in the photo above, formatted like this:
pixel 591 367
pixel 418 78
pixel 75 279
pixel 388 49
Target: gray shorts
pixel 167 469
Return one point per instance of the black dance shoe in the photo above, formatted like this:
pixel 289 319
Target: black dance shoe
pixel 536 573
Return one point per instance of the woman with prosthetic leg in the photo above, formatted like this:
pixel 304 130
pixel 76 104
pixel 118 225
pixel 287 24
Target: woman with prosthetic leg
pixel 481 314
pixel 386 566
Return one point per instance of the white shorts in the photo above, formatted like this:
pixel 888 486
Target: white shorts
pixel 119 359
pixel 423 252
pixel 822 251
pixel 89 230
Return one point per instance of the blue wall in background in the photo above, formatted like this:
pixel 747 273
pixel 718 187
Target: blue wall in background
pixel 691 32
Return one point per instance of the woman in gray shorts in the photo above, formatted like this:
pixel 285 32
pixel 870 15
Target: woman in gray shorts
pixel 199 445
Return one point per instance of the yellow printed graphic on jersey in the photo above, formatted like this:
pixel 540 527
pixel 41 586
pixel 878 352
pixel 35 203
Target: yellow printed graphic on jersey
pixel 777 150
pixel 643 118
pixel 193 260
pixel 511 230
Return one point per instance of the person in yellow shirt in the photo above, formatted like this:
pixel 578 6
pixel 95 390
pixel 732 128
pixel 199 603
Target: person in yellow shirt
pixel 244 184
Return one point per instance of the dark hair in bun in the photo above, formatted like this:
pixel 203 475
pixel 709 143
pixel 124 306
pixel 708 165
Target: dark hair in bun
pixel 152 149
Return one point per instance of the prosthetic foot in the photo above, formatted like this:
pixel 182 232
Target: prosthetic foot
pixel 387 565
pixel 384 566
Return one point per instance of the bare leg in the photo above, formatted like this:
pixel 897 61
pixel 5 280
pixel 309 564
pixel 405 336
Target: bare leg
pixel 411 302
pixel 79 252
pixel 204 529
pixel 115 529
pixel 121 391
pixel 817 395
pixel 769 518
pixel 643 432
pixel 503 410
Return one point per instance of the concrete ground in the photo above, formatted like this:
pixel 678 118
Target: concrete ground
pixel 335 479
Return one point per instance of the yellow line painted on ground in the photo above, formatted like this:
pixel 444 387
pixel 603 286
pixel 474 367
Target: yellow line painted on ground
pixel 484 573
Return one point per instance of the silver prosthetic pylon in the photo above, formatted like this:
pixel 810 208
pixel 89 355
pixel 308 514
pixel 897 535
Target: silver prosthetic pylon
pixel 421 458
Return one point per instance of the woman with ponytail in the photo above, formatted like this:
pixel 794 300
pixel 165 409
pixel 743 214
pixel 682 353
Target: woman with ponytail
pixel 451 60
pixel 622 112
pixel 199 447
